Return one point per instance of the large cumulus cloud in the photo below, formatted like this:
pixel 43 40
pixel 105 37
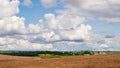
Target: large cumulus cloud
pixel 9 22
pixel 61 27
pixel 12 25
pixel 8 8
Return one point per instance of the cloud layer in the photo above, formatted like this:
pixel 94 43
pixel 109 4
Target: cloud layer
pixel 108 9
pixel 65 31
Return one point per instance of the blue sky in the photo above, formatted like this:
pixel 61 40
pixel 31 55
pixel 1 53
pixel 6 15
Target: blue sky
pixel 36 11
pixel 60 25
pixel 99 26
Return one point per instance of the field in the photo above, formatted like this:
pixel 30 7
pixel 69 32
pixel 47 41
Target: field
pixel 93 61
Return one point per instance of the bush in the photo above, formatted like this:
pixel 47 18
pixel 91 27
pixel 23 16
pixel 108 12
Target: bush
pixel 88 52
pixel 44 56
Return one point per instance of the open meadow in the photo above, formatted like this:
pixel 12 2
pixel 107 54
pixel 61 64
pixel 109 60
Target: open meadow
pixel 92 61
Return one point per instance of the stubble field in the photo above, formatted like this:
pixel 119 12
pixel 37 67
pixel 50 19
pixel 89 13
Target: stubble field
pixel 95 61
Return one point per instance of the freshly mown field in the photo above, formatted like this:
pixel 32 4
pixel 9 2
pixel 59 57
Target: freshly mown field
pixel 93 61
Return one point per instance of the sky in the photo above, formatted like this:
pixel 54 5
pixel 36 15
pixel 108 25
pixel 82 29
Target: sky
pixel 60 25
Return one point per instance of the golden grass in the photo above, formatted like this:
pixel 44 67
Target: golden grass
pixel 96 61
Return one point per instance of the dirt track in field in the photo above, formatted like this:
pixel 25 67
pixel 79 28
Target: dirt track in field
pixel 98 61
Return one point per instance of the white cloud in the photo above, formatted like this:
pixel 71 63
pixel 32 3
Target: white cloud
pixel 101 42
pixel 61 27
pixel 12 25
pixel 48 3
pixel 34 28
pixel 63 21
pixel 75 34
pixel 93 8
pixel 27 3
pixel 8 8
pixel 20 44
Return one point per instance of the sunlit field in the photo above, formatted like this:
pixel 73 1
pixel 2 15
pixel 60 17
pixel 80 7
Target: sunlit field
pixel 92 61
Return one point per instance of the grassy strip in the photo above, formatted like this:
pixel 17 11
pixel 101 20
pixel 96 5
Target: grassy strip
pixel 45 56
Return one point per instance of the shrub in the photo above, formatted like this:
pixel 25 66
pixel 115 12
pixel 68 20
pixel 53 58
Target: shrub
pixel 47 56
pixel 88 52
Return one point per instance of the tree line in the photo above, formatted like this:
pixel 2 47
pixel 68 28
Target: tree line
pixel 60 53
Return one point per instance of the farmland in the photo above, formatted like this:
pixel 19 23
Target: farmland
pixel 91 61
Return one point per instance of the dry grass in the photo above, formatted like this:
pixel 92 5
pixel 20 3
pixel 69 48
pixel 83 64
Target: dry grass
pixel 98 61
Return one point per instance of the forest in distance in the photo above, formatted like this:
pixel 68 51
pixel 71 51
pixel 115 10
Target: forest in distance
pixel 55 53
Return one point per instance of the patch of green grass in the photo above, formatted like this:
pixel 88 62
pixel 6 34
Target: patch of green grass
pixel 45 56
